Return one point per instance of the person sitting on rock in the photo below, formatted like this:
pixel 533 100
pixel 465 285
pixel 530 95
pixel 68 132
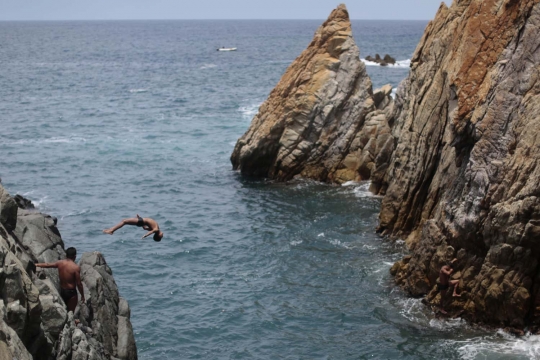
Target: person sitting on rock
pixel 70 278
pixel 445 282
pixel 146 223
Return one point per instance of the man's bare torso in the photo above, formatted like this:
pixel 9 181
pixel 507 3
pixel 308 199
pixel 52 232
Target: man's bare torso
pixel 67 271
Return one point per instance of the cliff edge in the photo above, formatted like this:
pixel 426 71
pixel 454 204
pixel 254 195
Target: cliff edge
pixel 34 322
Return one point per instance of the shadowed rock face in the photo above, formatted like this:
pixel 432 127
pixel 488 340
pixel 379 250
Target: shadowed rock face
pixel 309 122
pixel 463 180
pixel 34 323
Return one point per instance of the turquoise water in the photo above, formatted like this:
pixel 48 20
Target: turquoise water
pixel 103 120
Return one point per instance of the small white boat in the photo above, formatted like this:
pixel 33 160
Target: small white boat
pixel 226 49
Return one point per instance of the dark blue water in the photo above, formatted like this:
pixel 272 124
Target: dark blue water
pixel 103 120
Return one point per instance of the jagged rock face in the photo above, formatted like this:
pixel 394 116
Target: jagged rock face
pixel 110 313
pixel 34 322
pixel 463 180
pixel 309 121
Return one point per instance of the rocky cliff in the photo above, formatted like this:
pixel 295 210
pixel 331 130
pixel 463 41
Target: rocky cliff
pixel 34 323
pixel 463 180
pixel 456 154
pixel 311 124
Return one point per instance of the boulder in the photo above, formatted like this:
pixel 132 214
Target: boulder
pixel 23 203
pixel 11 346
pixel 387 59
pixel 76 342
pixel 53 316
pixel 8 210
pixel 109 313
pixel 38 235
pixel 126 348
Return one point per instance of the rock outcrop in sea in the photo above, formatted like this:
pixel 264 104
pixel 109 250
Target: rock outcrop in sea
pixel 34 322
pixel 322 119
pixel 384 61
pixel 456 154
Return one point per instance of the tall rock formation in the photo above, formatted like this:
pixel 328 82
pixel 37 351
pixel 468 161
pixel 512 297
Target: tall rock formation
pixel 456 154
pixel 34 322
pixel 309 125
pixel 463 180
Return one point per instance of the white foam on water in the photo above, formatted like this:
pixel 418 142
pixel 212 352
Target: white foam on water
pixel 369 63
pixel 135 91
pixel 249 111
pixel 336 242
pixel 53 140
pixel 73 139
pixel 208 66
pixel 351 183
pixel 320 235
pixel 379 270
pixel 447 324
pixel 232 143
pixel 381 273
pixel 361 190
pixel 40 202
pixel 413 310
pixel 500 345
pixel 296 242
pixel 37 203
pixel 403 63
pixel 393 93
pixel 399 64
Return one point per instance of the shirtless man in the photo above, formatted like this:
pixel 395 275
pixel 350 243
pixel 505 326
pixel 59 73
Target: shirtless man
pixel 146 223
pixel 445 282
pixel 70 277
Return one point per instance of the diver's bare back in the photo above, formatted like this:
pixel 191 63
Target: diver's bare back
pixel 151 224
pixel 68 270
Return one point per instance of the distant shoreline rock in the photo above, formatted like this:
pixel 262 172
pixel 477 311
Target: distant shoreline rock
pixel 385 61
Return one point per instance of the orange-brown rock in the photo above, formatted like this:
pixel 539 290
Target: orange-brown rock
pixel 309 124
pixel 464 177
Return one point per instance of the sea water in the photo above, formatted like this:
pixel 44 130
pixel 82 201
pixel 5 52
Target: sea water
pixel 104 120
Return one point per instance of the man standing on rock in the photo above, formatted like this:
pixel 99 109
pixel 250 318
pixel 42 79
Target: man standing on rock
pixel 445 282
pixel 70 278
pixel 148 224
